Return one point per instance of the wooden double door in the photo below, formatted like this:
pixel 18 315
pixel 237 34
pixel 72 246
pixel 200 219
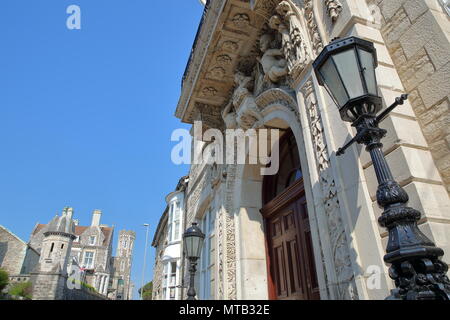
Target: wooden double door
pixel 292 271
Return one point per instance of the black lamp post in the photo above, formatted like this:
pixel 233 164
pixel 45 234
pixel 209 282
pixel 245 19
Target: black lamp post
pixel 193 239
pixel 346 68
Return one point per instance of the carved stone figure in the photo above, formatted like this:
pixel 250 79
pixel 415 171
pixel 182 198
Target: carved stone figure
pixel 288 25
pixel 334 9
pixel 242 110
pixel 273 63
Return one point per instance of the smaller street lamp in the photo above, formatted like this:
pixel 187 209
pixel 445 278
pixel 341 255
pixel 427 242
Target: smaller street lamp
pixel 346 67
pixel 193 239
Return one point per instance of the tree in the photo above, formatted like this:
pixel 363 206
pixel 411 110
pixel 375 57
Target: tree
pixel 4 279
pixel 148 290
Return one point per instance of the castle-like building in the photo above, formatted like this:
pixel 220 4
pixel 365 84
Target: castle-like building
pixel 62 249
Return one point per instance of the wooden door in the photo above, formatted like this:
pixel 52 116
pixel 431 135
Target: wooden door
pixel 290 252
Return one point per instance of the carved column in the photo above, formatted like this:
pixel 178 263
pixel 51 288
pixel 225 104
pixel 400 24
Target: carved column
pixel 341 258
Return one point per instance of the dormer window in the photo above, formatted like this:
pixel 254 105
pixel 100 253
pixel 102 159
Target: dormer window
pixel 92 240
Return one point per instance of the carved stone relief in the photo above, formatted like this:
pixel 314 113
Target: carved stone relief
pixel 241 20
pixel 338 239
pixel 316 39
pixel 334 9
pixel 230 241
pixel 287 23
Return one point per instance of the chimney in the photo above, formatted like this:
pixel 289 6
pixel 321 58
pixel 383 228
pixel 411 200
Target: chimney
pixel 96 215
pixel 68 212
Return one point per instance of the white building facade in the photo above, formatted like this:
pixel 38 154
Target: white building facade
pixel 168 280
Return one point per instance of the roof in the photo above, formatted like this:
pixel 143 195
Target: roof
pixel 79 230
pixel 20 240
pixel 160 228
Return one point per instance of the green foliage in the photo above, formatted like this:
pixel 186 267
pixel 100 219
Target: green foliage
pixel 148 290
pixel 4 279
pixel 22 289
pixel 83 284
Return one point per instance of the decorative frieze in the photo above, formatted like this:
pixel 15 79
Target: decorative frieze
pixel 230 240
pixel 314 34
pixel 338 238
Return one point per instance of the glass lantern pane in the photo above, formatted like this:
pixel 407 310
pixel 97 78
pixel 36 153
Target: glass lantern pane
pixel 347 65
pixel 333 82
pixel 368 66
pixel 198 246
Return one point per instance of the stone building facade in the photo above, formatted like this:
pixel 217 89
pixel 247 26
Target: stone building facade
pixel 91 253
pixel 310 230
pixel 16 256
pixel 168 269
pixel 122 263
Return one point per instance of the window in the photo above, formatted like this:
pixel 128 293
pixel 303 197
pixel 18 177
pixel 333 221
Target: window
pixel 174 222
pixel 124 243
pixel 208 257
pixel 169 281
pixel 92 240
pixel 88 259
pixel 122 265
pixel 290 172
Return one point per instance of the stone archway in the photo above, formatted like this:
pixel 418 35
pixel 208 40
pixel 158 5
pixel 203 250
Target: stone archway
pixel 279 110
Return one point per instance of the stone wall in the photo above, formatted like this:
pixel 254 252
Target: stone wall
pixel 53 286
pixel 16 257
pixel 417 34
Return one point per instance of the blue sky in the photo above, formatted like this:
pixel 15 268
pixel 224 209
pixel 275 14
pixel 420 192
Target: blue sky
pixel 86 115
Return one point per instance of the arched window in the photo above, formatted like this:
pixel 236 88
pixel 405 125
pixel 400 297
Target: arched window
pixel 289 172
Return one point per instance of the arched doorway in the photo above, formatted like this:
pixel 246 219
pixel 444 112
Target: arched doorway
pixel 291 267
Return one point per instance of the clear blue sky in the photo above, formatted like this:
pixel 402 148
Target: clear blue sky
pixel 86 115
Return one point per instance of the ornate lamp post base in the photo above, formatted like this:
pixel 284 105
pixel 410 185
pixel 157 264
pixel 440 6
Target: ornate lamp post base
pixel 192 270
pixel 416 268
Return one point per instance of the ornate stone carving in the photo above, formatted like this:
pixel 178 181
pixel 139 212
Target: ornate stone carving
pixel 230 241
pixel 224 60
pixel 230 46
pixel 264 8
pixel 209 116
pixel 338 239
pixel 242 110
pixel 209 92
pixel 241 20
pixel 216 73
pixel 273 63
pixel 334 9
pixel 316 39
pixel 288 25
pixel 277 96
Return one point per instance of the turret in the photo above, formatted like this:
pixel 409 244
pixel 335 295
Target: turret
pixel 57 243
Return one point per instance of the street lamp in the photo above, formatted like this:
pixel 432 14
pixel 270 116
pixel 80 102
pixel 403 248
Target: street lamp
pixel 193 239
pixel 146 225
pixel 346 68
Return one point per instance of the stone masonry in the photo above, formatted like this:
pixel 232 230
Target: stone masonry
pixel 417 34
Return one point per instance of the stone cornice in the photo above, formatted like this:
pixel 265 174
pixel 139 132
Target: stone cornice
pixel 199 51
pixel 226 41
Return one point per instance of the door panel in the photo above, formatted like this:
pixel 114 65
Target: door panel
pixel 290 251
